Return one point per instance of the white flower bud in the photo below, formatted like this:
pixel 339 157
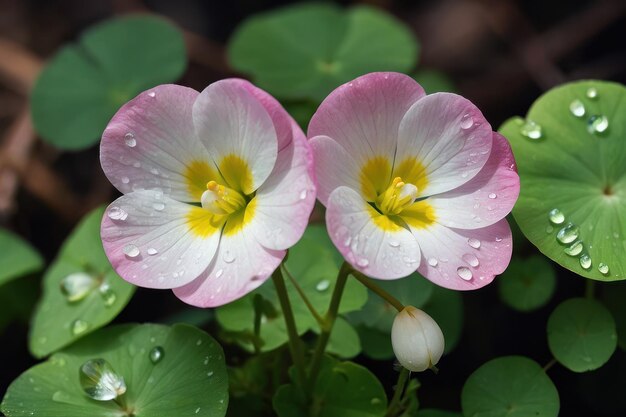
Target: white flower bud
pixel 417 339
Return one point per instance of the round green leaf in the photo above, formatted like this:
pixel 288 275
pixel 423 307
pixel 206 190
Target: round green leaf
pixel 190 378
pixel 84 84
pixel 511 386
pixel 344 340
pixel 527 284
pixel 307 50
pixel 57 321
pixel 17 257
pixel 581 334
pixel 571 157
pixel 313 267
pixel 342 389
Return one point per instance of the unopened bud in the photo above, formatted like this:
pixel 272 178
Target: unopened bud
pixel 417 339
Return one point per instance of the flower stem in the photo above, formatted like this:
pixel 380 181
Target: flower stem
pixel 329 321
pixel 549 364
pixel 397 395
pixel 379 291
pixel 590 286
pixel 295 347
pixel 306 300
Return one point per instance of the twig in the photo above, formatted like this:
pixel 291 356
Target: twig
pixel 18 66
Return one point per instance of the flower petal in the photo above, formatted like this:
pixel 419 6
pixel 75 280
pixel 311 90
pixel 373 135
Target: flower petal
pixel 238 132
pixel 284 202
pixel 240 265
pixel 363 115
pixel 149 240
pixel 150 143
pixel 369 241
pixel 334 167
pixel 444 141
pixel 486 198
pixel 464 259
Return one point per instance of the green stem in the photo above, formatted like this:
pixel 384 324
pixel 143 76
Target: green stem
pixel 329 321
pixel 379 291
pixel 295 347
pixel 549 365
pixel 258 315
pixel 306 300
pixel 397 395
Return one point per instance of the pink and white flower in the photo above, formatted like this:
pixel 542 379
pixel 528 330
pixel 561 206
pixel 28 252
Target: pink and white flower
pixel 217 185
pixel 413 182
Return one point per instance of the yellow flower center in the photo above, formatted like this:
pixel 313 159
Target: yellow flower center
pixel 398 196
pixel 220 199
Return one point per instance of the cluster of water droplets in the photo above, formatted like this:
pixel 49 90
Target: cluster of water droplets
pixel 569 236
pixel 596 123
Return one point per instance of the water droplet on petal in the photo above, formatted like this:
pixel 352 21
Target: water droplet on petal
pixel 152 94
pixel 531 130
pixel 394 244
pixel 432 262
pixel 219 273
pixel 585 261
pixel 597 124
pixel 100 381
pixel 158 206
pixel 475 243
pixel 556 216
pixel 131 251
pixel 362 262
pixel 568 234
pixel 125 180
pixel 592 93
pixel 575 248
pixel 323 285
pixel 471 259
pixel 76 286
pixel 493 195
pixel 152 251
pixel 228 257
pixel 117 213
pixel 466 122
pixel 79 326
pixel 577 108
pixel 303 194
pixel 603 268
pixel 464 273
pixel 156 354
pixel 130 141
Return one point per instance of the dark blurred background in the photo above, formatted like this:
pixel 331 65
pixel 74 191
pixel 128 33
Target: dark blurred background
pixel 501 54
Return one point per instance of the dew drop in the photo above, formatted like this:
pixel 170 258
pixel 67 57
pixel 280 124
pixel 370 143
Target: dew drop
pixel 152 251
pixel 556 216
pixel 209 374
pixel 603 268
pixel 592 93
pixel 432 262
pixel 362 262
pixel 471 259
pixel 323 285
pixel 466 122
pixel 197 410
pixel 475 243
pixel 108 295
pixel 303 194
pixel 152 94
pixel 464 273
pixel 597 124
pixel 549 229
pixel 117 213
pixel 100 381
pixel 493 195
pixel 375 401
pixel 130 141
pixel 585 261
pixel 131 251
pixel 568 234
pixel 219 273
pixel 228 257
pixel 394 244
pixel 79 326
pixel 125 180
pixel 156 354
pixel 158 206
pixel 531 130
pixel 577 108
pixel 77 286
pixel 574 249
